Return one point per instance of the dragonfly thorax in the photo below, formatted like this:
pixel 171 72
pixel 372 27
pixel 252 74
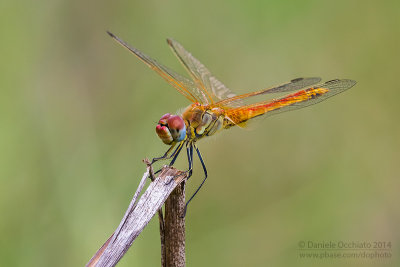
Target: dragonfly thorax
pixel 202 121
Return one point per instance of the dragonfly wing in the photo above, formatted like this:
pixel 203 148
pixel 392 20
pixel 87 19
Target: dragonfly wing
pixel 184 85
pixel 293 85
pixel 206 82
pixel 297 100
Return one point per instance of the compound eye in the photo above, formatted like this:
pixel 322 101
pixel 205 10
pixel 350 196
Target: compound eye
pixel 177 127
pixel 175 122
pixel 164 118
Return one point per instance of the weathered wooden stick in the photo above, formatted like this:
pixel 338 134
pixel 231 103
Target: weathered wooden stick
pixel 138 216
pixel 162 236
pixel 175 228
pixel 160 218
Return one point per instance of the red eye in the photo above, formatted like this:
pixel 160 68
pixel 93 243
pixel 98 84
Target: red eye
pixel 175 122
pixel 164 119
pixel 171 128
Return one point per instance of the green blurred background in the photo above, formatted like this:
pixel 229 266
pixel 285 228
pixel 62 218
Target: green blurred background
pixel 78 114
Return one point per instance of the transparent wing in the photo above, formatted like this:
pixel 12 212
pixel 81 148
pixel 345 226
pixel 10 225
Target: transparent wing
pixel 293 85
pixel 184 86
pixel 205 81
pixel 297 100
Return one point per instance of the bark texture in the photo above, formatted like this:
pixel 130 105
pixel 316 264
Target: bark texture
pixel 138 216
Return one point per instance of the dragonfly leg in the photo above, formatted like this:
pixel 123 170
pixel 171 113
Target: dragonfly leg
pixel 166 156
pixel 198 189
pixel 189 150
pixel 175 156
pixel 157 171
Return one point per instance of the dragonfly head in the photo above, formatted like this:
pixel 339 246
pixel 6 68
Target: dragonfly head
pixel 171 128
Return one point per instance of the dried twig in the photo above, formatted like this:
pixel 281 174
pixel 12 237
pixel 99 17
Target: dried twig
pixel 138 216
pixel 160 218
pixel 175 228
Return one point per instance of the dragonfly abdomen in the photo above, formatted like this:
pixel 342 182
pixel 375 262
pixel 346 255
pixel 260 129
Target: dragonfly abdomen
pixel 241 115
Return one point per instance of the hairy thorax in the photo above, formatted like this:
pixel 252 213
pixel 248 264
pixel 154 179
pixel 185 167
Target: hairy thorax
pixel 202 121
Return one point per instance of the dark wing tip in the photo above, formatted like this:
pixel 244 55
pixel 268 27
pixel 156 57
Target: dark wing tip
pixel 112 35
pixel 350 83
pixel 171 42
pixel 309 79
pixel 297 80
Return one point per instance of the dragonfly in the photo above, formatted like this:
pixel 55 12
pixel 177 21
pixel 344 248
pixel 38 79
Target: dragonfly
pixel 214 107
